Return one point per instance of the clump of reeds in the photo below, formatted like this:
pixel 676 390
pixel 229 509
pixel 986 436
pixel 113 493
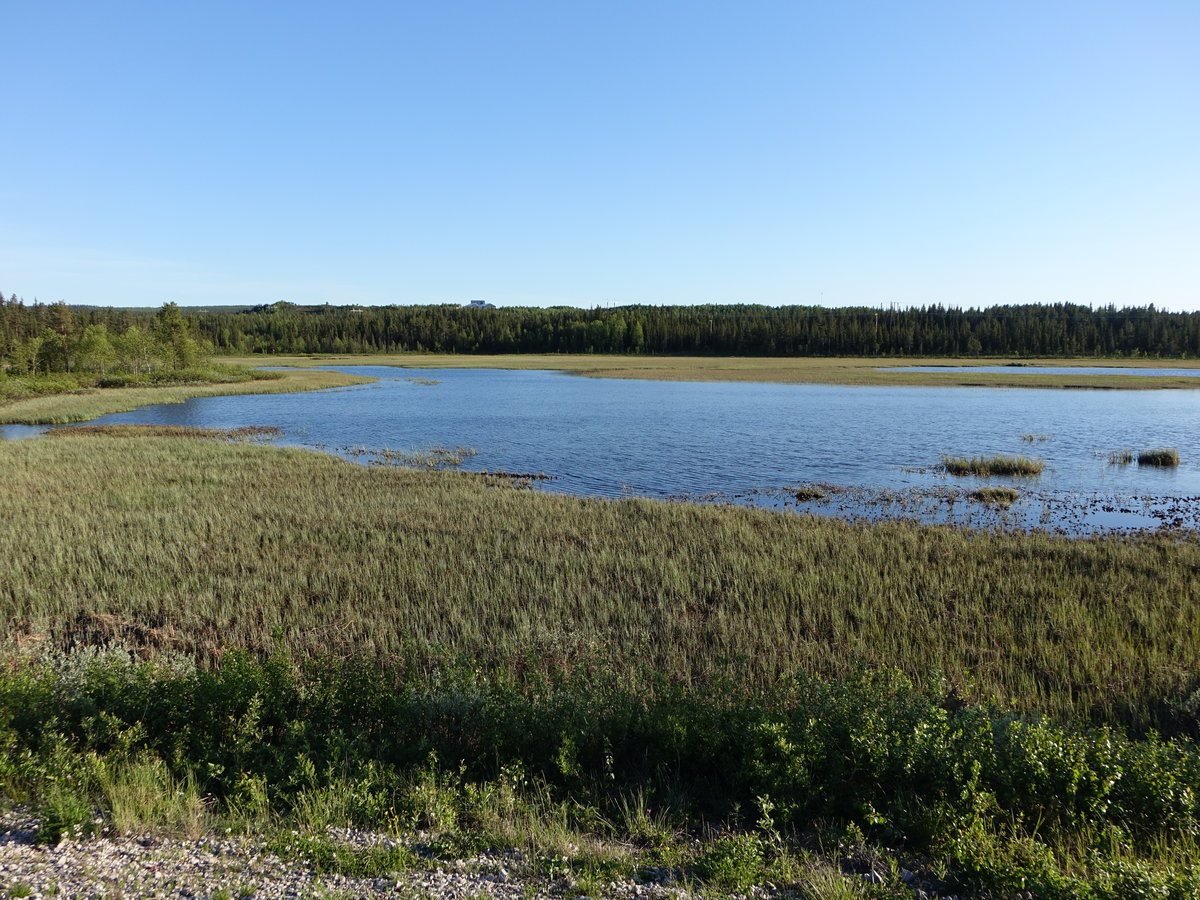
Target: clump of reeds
pixel 1120 457
pixel 995 496
pixel 1036 438
pixel 423 381
pixel 992 465
pixel 1164 457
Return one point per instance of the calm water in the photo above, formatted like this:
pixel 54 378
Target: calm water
pixel 876 448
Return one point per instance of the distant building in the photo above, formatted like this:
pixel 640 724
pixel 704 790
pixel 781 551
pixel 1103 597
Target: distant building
pixel 481 304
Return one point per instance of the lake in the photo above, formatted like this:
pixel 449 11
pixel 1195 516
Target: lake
pixel 875 451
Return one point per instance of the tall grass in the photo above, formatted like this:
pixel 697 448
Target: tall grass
pixel 177 545
pixel 992 465
pixel 1164 458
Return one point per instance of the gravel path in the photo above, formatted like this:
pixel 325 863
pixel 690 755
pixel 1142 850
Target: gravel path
pixel 225 868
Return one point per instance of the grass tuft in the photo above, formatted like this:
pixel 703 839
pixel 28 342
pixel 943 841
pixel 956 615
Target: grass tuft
pixel 1166 457
pixel 992 465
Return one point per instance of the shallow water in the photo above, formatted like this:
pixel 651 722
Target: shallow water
pixel 876 448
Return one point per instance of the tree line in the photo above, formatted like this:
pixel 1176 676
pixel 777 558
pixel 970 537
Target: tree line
pixel 57 337
pixel 47 339
pixel 735 330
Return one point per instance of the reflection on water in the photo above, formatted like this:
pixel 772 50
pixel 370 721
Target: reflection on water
pixel 878 447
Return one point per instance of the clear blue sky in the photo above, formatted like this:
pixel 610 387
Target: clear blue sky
pixel 966 152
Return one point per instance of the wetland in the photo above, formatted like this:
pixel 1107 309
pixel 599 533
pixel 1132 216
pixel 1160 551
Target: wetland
pixel 875 452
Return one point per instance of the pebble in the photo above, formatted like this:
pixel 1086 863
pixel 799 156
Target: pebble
pixel 241 867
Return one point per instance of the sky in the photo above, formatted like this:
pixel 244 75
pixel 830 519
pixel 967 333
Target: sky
pixel 967 153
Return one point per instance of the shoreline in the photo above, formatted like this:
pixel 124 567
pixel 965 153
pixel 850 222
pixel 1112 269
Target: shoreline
pixel 852 371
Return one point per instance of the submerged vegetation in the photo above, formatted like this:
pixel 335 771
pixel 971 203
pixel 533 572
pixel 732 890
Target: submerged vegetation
pixel 996 496
pixel 1166 457
pixel 992 465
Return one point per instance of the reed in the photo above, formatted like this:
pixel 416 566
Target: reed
pixel 1120 457
pixel 1166 457
pixel 178 545
pixel 992 465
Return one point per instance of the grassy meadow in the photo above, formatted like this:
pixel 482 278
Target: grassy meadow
pixel 790 370
pixel 198 545
pixel 729 695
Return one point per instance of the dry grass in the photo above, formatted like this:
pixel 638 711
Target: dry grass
pixel 796 370
pixel 172 543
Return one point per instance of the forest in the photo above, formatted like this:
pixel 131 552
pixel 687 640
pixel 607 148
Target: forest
pixel 1060 330
pixel 46 339
pixel 41 336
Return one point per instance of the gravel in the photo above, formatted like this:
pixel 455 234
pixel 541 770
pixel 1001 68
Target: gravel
pixel 229 867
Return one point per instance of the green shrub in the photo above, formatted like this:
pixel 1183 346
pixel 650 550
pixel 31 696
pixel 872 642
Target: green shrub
pixel 733 862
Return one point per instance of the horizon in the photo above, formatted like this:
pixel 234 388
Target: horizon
pixel 598 155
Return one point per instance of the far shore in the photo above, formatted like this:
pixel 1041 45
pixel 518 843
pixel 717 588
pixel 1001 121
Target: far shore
pixel 312 372
pixel 790 370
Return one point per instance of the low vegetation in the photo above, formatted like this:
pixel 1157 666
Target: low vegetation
pixel 867 370
pixel 1120 457
pixel 727 695
pixel 992 465
pixel 996 496
pixel 1164 458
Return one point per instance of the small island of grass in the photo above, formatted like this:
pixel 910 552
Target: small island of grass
pixel 1165 457
pixel 992 465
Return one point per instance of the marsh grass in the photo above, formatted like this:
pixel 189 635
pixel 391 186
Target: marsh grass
pixel 82 404
pixel 995 496
pixel 789 370
pixel 243 433
pixel 1166 457
pixel 1120 457
pixel 173 545
pixel 992 465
